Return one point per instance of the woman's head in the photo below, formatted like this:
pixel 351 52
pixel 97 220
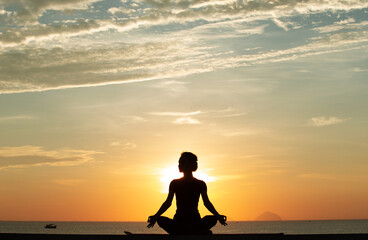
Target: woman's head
pixel 188 162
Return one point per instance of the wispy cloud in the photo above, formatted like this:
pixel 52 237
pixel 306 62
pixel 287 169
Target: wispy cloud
pixel 155 61
pixel 161 14
pixel 328 44
pixel 186 120
pixel 121 10
pixel 115 143
pixel 61 68
pixel 184 117
pixel 225 113
pixel 325 121
pixel 70 52
pixel 187 117
pixel 123 145
pixel 31 10
pixel 176 114
pixel 360 69
pixel 16 117
pixel 173 86
pixel 348 24
pixel 280 24
pixel 237 132
pixel 36 156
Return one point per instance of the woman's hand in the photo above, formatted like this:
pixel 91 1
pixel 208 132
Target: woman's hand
pixel 222 219
pixel 152 220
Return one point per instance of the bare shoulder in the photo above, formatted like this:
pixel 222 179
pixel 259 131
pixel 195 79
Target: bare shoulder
pixel 175 182
pixel 199 180
pixel 201 183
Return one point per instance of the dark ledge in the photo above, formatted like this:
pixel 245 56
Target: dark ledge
pixel 271 236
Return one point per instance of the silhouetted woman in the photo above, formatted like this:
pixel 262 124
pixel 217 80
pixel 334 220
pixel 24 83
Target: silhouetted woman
pixel 187 190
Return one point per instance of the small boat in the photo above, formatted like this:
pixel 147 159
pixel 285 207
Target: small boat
pixel 50 226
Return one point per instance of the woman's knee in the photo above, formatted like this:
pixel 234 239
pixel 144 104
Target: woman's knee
pixel 163 221
pixel 166 224
pixel 209 221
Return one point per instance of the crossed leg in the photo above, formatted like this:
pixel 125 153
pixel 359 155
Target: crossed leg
pixel 207 222
pixel 173 227
pixel 167 224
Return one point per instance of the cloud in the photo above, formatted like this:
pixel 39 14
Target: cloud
pixel 173 86
pixel 129 145
pixel 186 120
pixel 16 117
pixel 31 10
pixel 37 69
pixel 280 24
pixel 164 13
pixel 115 143
pixel 176 114
pixel 4 12
pixel 357 69
pixel 35 156
pixel 187 117
pixel 225 113
pixel 213 11
pixel 184 117
pixel 232 115
pixel 44 32
pixel 348 24
pixel 236 132
pixel 201 4
pixel 122 10
pixel 124 145
pixel 323 45
pixel 82 52
pixel 325 121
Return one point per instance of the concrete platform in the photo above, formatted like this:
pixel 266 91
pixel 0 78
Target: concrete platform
pixel 280 236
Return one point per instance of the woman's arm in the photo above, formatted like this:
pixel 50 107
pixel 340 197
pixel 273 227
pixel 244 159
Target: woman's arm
pixel 152 219
pixel 207 203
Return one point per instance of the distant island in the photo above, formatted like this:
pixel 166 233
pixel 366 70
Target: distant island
pixel 268 216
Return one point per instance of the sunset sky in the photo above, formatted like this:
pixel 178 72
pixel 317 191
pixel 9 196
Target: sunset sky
pixel 99 98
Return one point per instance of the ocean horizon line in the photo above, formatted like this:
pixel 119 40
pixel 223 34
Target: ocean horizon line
pixel 99 221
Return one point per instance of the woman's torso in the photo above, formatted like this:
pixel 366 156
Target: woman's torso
pixel 187 192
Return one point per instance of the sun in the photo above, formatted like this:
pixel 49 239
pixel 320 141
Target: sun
pixel 172 172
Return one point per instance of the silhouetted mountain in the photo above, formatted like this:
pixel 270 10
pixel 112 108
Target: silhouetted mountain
pixel 268 216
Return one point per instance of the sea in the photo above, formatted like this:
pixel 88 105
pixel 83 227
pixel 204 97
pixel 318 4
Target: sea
pixel 286 227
